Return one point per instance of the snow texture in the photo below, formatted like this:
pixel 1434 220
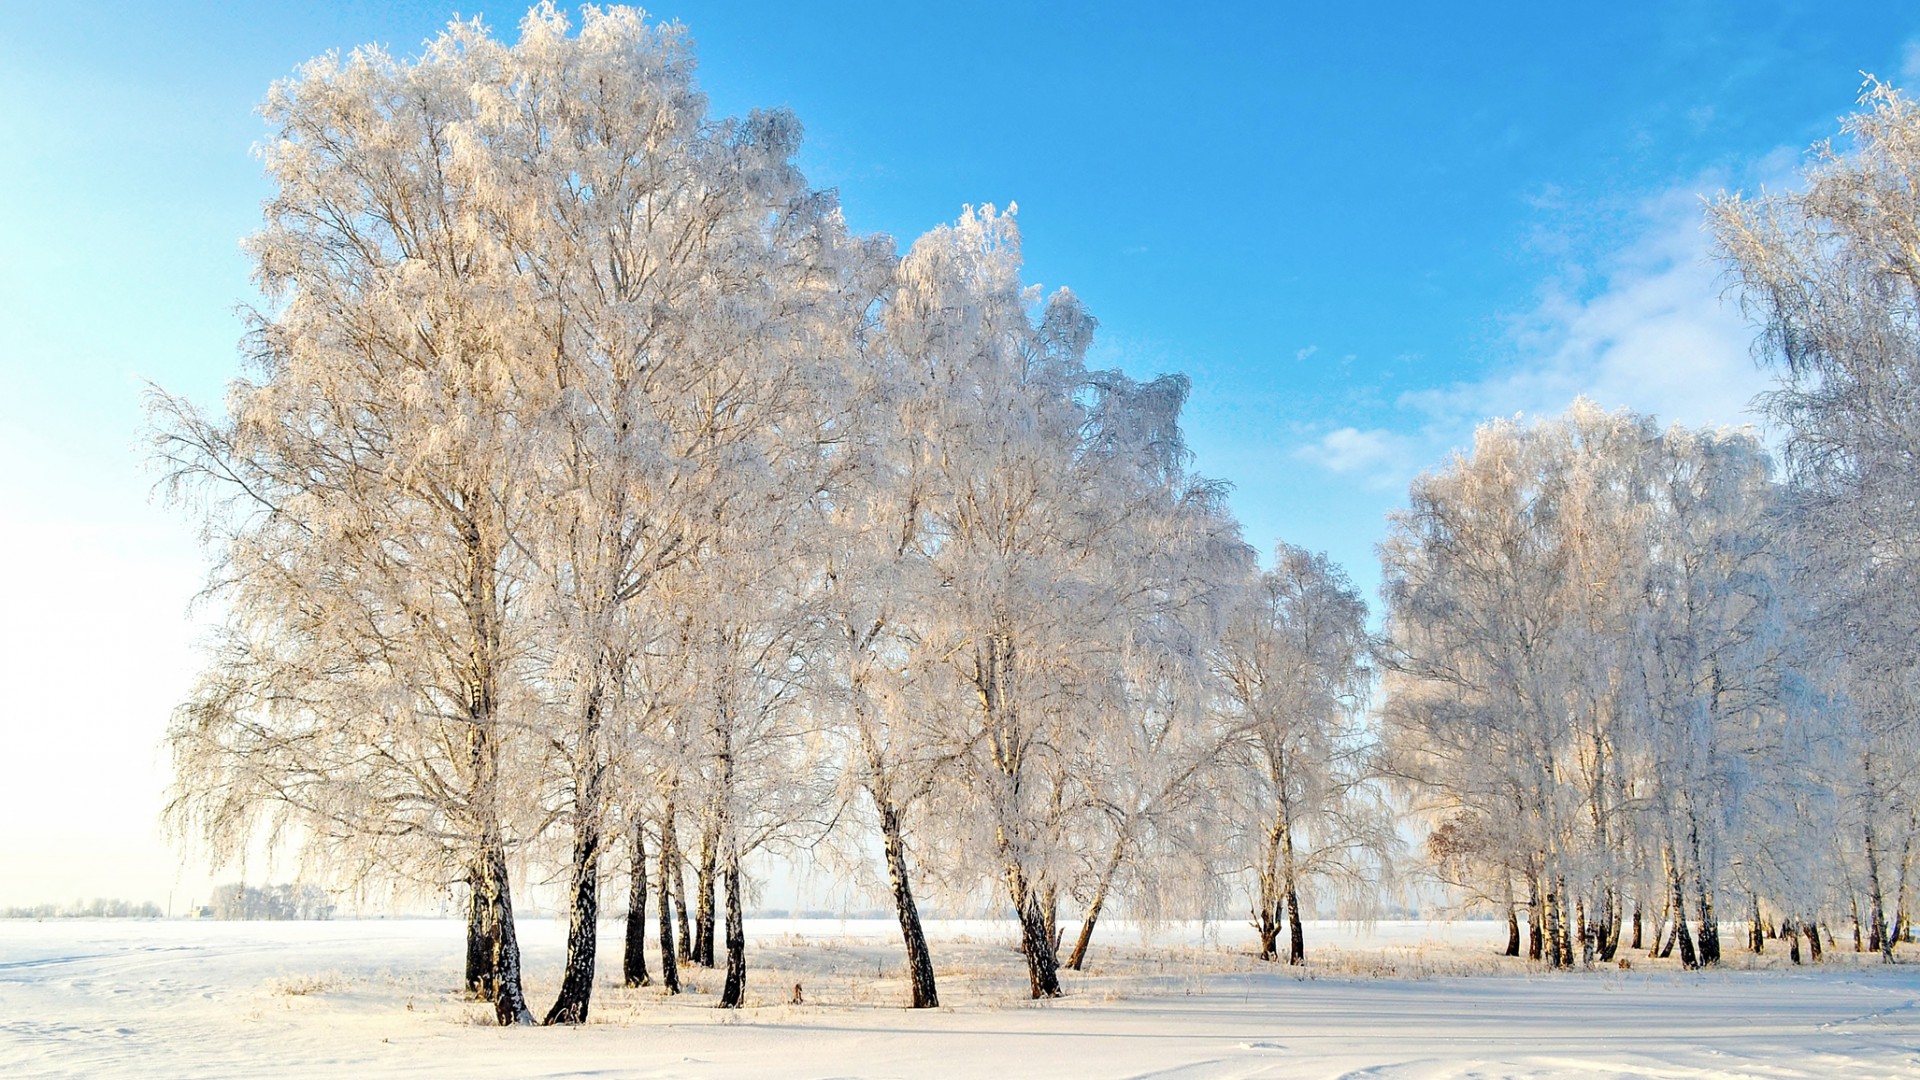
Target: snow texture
pixel 372 999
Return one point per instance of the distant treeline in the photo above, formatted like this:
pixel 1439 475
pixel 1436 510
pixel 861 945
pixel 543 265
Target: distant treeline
pixel 89 909
pixel 277 902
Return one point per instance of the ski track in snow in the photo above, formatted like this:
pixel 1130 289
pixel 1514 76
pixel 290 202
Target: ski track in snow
pixel 371 1000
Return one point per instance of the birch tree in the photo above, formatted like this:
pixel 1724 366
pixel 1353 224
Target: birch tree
pixel 1294 664
pixel 364 493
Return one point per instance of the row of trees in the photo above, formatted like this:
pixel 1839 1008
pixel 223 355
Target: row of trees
pixel 97 908
pixel 595 493
pixel 1628 673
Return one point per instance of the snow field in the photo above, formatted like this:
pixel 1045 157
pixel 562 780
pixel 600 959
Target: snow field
pixel 373 999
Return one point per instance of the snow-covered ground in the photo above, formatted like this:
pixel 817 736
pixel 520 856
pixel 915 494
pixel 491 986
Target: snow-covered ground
pixel 372 999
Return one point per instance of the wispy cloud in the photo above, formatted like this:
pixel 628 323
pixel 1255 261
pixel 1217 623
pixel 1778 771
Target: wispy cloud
pixel 1656 337
pixel 1652 332
pixel 1378 457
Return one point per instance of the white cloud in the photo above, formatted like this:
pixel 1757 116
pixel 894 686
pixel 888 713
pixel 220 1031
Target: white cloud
pixel 1378 457
pixel 1657 337
pixel 1654 336
pixel 1910 60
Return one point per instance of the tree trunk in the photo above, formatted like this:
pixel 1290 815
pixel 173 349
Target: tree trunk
pixel 583 893
pixel 735 993
pixel 1703 889
pixel 1793 943
pixel 1267 918
pixel 669 966
pixel 1610 943
pixel 583 928
pixel 1513 931
pixel 1902 931
pixel 1534 917
pixel 1267 923
pixel 1043 974
pixel 479 945
pixel 705 872
pixel 1756 930
pixel 1813 940
pixel 1636 923
pixel 1688 958
pixel 634 963
pixel 1558 954
pixel 1709 926
pixel 1296 937
pixel 1566 924
pixel 1099 900
pixel 684 948
pixel 1050 911
pixel 1878 939
pixel 509 1002
pixel 919 959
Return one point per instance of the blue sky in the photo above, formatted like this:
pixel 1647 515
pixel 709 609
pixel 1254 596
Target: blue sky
pixel 1359 228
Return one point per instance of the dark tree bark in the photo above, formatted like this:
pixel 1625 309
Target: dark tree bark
pixel 634 962
pixel 479 945
pixel 1296 934
pixel 1534 918
pixel 1793 943
pixel 684 948
pixel 583 892
pixel 1043 969
pixel 1703 898
pixel 919 959
pixel 1756 930
pixel 1267 923
pixel 669 966
pixel 583 928
pixel 1610 932
pixel 1564 923
pixel 1813 940
pixel 1688 958
pixel 1636 925
pixel 1513 931
pixel 509 1002
pixel 735 993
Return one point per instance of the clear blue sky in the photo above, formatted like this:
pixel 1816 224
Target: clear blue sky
pixel 1359 228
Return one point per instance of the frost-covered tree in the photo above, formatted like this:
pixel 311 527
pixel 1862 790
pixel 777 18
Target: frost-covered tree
pixel 1174 563
pixel 1009 521
pixel 366 494
pixel 1294 665
pixel 1585 645
pixel 1829 273
pixel 539 333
